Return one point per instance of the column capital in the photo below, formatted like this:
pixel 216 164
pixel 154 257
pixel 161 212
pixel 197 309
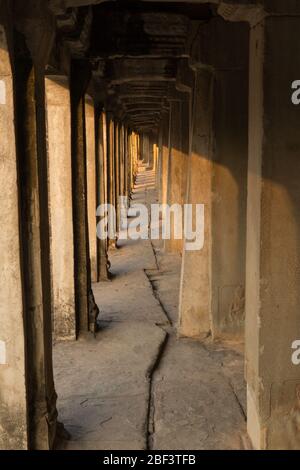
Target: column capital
pixel 238 11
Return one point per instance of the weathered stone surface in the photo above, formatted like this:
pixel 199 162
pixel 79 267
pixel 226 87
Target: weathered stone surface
pixel 272 270
pixel 91 183
pixel 195 294
pixel 60 206
pixel 13 403
pixel 177 165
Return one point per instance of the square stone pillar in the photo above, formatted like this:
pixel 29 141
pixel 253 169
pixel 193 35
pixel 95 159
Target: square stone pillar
pixel 126 162
pixel 273 236
pixel 177 164
pixel 165 152
pixel 134 144
pixel 155 157
pixel 195 292
pixel 130 162
pixel 158 178
pixel 122 160
pixel 91 182
pixel 86 309
pixel 13 367
pixel 151 152
pixel 145 148
pixel 217 292
pixel 60 206
pixel 30 122
pixel 229 182
pixel 111 188
pixel 110 151
pixel 101 171
pixel 116 175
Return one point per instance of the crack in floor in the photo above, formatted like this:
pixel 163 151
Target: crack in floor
pixel 157 297
pixel 154 276
pixel 237 400
pixel 150 425
pixel 151 403
pixel 142 387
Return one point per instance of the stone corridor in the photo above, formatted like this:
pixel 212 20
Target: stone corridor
pixel 190 341
pixel 135 385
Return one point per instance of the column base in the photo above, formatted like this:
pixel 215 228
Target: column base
pixel 281 429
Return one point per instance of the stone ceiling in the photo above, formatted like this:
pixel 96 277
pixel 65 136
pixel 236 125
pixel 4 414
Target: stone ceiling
pixel 134 49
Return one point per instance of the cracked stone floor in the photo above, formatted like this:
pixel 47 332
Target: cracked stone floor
pixel 135 385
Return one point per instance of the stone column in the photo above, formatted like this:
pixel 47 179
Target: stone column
pixel 145 148
pixel 137 152
pixel 159 163
pixel 195 292
pixel 30 122
pixel 133 158
pixel 110 151
pixel 60 206
pixel 116 175
pixel 101 171
pixel 165 156
pixel 155 159
pixel 177 166
pixel 151 161
pixel 131 175
pixel 229 187
pixel 130 163
pixel 91 183
pixel 222 283
pixel 103 148
pixel 273 236
pixel 126 162
pixel 86 310
pixel 142 146
pixel 122 160
pixel 111 189
pixel 138 147
pixel 13 368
